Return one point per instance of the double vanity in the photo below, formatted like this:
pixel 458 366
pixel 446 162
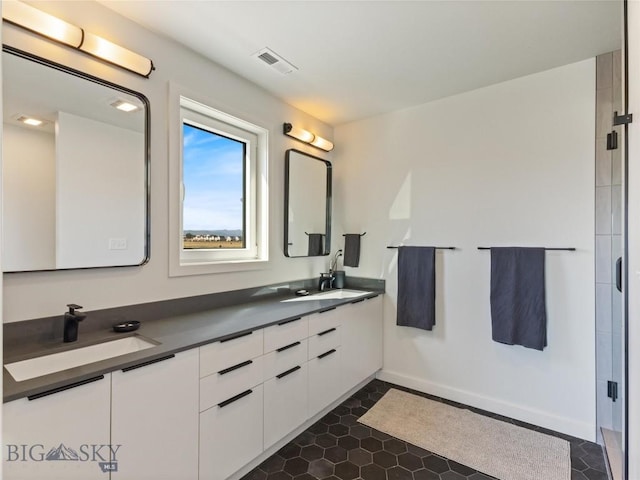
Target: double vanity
pixel 208 386
pixel 204 395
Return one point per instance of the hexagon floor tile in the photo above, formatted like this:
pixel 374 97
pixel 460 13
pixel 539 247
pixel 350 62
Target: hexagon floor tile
pixel 339 448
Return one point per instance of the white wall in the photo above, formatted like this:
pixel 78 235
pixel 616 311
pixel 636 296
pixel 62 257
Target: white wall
pixel 28 159
pixel 40 294
pixel 100 193
pixel 507 165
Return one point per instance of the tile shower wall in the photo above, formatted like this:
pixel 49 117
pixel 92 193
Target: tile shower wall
pixel 608 240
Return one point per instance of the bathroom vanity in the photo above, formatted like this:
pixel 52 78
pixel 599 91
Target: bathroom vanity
pixel 208 401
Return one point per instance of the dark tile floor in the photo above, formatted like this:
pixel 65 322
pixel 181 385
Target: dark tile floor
pixel 338 447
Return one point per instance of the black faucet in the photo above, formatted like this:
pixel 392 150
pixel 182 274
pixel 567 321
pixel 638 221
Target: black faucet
pixel 326 281
pixel 71 319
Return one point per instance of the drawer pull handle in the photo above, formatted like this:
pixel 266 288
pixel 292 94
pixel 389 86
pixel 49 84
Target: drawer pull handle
pixel 150 362
pixel 290 321
pixel 358 301
pixel 66 387
pixel 288 372
pixel 235 336
pixel 287 347
pixel 326 354
pixel 235 367
pixel 327 309
pixel 327 331
pixel 233 399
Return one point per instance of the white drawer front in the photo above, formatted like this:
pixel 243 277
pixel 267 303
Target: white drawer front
pixel 285 333
pixel 219 355
pixel 324 341
pixel 231 436
pixel 319 322
pixel 231 381
pixel 284 358
pixel 285 403
pixel 325 381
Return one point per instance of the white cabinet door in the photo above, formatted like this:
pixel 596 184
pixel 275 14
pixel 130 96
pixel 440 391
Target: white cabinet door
pixel 231 434
pixel 285 403
pixel 325 381
pixel 361 340
pixel 155 419
pixel 64 435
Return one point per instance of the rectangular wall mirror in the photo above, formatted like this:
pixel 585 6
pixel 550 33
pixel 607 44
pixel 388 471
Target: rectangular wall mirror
pixel 307 209
pixel 75 168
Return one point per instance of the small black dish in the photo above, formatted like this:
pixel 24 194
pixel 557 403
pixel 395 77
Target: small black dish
pixel 126 326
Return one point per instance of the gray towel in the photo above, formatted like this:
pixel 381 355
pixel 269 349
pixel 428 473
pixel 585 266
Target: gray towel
pixel 416 287
pixel 352 250
pixel 518 314
pixel 315 244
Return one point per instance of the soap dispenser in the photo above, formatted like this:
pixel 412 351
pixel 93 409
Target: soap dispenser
pixel 71 319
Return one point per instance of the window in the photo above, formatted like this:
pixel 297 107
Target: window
pixel 214 170
pixel 222 191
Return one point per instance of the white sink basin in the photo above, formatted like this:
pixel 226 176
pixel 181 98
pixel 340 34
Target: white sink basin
pixel 330 295
pixel 56 362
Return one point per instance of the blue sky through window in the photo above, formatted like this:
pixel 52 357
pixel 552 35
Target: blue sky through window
pixel 213 171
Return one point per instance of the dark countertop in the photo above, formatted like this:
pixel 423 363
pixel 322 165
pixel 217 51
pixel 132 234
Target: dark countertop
pixel 174 333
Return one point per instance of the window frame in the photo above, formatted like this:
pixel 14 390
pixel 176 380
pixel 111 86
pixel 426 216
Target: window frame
pixel 200 114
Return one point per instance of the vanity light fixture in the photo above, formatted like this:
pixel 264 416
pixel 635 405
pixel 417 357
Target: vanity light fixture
pixel 117 55
pixel 125 106
pixel 34 20
pixel 307 137
pixel 322 143
pixel 42 23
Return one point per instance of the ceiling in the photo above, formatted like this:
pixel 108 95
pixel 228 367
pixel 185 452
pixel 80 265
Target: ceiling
pixel 356 59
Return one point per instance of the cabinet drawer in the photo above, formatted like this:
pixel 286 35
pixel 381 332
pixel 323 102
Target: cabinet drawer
pixel 231 435
pixel 285 333
pixel 230 381
pixel 285 403
pixel 325 381
pixel 319 322
pixel 285 358
pixel 226 353
pixel 324 341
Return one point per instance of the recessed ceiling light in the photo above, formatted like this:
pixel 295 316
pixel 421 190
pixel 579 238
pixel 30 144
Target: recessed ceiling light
pixel 125 106
pixel 34 122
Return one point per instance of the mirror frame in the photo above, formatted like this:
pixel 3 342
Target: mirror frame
pixel 328 197
pixel 147 145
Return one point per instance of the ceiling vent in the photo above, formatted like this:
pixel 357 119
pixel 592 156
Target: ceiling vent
pixel 274 60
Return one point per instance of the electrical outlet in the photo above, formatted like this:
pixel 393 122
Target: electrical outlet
pixel 117 244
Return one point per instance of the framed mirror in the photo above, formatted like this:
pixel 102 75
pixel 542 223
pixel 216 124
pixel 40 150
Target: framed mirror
pixel 307 205
pixel 75 168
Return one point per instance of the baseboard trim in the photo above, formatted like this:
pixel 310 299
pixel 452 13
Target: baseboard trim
pixel 567 426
